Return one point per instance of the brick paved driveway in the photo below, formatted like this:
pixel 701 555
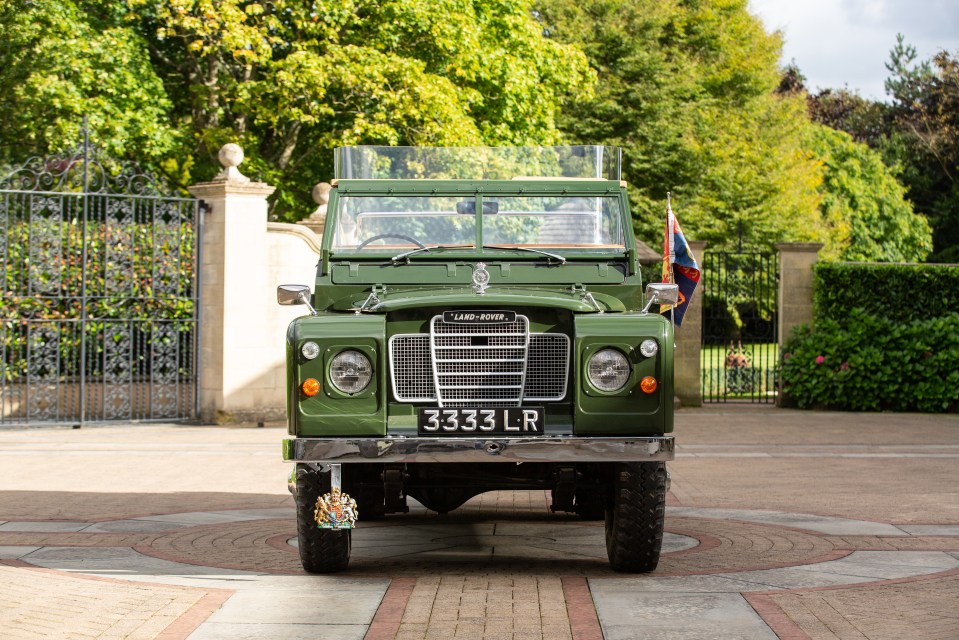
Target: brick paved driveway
pixel 780 523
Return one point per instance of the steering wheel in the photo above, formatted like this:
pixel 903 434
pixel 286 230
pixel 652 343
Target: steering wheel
pixel 391 235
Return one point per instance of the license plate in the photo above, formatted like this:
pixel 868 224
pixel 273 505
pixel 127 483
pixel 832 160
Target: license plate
pixel 472 422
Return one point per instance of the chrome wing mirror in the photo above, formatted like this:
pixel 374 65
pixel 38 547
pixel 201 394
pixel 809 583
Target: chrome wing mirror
pixel 661 293
pixel 292 294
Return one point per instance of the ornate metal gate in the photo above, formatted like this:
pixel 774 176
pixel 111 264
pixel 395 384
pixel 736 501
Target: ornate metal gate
pixel 98 294
pixel 740 333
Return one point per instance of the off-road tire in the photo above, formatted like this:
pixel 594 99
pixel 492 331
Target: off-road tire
pixel 321 550
pixel 635 515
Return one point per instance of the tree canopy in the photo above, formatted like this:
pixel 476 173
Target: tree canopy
pixel 687 88
pixel 690 88
pixel 864 203
pixel 173 81
pixel 916 132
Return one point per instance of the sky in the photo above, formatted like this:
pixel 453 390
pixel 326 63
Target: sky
pixel 846 43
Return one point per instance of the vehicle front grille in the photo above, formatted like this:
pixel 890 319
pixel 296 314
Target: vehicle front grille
pixel 479 365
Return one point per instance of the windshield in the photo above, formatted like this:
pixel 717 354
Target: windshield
pixel 397 223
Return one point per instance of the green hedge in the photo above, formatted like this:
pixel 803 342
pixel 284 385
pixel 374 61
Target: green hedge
pixel 900 292
pixel 871 363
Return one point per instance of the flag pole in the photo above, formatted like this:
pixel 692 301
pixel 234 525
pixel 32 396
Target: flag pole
pixel 672 256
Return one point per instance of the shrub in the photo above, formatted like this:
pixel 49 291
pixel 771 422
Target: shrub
pixel 871 363
pixel 900 292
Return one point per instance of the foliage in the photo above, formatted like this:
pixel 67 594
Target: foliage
pixel 917 133
pixel 864 204
pixel 844 110
pixel 872 363
pixel 688 90
pixel 58 63
pixel 924 138
pixel 898 292
pixel 287 80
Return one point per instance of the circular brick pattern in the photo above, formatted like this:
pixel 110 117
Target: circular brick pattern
pixel 414 545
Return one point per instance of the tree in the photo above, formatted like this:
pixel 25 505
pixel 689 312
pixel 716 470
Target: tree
pixel 864 204
pixel 924 137
pixel 844 110
pixel 57 64
pixel 687 88
pixel 291 80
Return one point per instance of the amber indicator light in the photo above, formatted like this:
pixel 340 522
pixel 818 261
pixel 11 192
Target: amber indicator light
pixel 310 387
pixel 648 384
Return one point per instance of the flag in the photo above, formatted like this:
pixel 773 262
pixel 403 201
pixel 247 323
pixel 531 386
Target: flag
pixel 679 265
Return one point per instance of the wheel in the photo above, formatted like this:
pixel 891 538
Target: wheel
pixel 635 515
pixel 321 550
pixel 391 235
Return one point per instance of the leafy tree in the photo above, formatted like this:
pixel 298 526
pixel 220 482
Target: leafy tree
pixel 291 80
pixel 844 110
pixel 687 87
pixel 924 136
pixel 58 63
pixel 864 204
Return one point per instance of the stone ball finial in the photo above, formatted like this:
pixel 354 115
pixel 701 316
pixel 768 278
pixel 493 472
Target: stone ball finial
pixel 321 193
pixel 231 155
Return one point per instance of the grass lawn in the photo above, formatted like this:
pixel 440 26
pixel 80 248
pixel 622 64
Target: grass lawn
pixel 756 380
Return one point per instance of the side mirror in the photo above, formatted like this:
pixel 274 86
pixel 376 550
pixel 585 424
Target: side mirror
pixel 293 294
pixel 661 293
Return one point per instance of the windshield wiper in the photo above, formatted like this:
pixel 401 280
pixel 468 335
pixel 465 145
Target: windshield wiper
pixel 405 256
pixel 553 256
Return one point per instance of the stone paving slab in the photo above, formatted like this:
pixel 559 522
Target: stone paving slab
pixel 821 524
pixel 628 613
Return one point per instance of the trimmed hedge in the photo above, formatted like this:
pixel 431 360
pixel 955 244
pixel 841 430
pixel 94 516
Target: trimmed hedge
pixel 873 363
pixel 899 292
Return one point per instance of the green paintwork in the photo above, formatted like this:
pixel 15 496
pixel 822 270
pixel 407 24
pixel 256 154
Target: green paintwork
pixel 409 294
pixel 461 297
pixel 443 270
pixel 332 412
pixel 629 411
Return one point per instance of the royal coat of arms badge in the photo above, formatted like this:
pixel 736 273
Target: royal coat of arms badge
pixel 335 510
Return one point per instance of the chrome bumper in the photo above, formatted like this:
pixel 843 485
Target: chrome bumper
pixel 532 449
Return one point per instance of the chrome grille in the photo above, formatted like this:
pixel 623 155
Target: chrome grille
pixel 410 368
pixel 496 351
pixel 479 365
pixel 548 366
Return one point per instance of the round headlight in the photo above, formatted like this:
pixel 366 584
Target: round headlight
pixel 351 371
pixel 649 348
pixel 608 370
pixel 310 350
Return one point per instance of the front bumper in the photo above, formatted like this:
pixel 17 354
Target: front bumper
pixel 570 449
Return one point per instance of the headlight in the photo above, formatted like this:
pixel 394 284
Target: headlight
pixel 608 370
pixel 351 371
pixel 649 348
pixel 310 350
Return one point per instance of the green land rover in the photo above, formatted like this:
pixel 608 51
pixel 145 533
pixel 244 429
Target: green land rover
pixel 477 324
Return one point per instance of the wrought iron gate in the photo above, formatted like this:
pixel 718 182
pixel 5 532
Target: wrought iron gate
pixel 98 294
pixel 740 348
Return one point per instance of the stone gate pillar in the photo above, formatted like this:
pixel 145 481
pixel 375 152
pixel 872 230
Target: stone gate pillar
pixel 796 260
pixel 689 342
pixel 232 325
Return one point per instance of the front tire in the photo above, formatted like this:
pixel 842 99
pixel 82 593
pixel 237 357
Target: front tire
pixel 321 550
pixel 635 516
